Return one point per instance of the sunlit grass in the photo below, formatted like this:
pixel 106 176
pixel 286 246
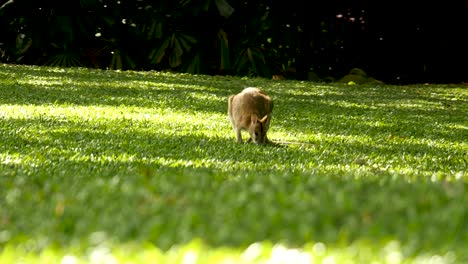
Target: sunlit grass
pixel 138 167
pixel 197 252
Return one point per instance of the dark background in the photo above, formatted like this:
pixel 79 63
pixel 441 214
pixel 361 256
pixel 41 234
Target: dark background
pixel 392 41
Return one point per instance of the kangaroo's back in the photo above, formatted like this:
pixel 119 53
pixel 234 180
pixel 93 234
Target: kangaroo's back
pixel 250 110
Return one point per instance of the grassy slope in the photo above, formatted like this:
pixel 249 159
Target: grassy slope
pixel 92 157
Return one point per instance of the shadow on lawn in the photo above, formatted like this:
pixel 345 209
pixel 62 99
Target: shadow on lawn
pixel 178 98
pixel 84 87
pixel 367 111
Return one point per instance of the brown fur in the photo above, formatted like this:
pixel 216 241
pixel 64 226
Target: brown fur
pixel 251 110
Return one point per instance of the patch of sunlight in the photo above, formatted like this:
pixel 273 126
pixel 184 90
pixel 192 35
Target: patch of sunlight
pixel 11 159
pixel 43 81
pixel 125 158
pixel 413 104
pixel 349 104
pixel 30 160
pixel 102 255
pixel 308 138
pixel 207 97
pixel 69 259
pixel 340 138
pixel 319 90
pixel 439 143
pixel 49 69
pixel 162 85
pixel 129 158
pixel 372 169
pixel 107 113
pixel 193 163
pixel 457 126
pixel 282 254
pixel 102 158
pixel 197 252
pixel 110 83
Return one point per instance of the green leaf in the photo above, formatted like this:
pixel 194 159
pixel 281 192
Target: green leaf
pixel 224 50
pixel 186 41
pixel 224 8
pixel 157 55
pixel 195 65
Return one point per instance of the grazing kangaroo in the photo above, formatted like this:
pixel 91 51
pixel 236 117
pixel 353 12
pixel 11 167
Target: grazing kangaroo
pixel 251 110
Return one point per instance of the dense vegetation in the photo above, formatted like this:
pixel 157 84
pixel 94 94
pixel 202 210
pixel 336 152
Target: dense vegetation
pixel 104 167
pixel 396 42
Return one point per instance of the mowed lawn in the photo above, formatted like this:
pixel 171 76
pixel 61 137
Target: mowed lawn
pixel 142 167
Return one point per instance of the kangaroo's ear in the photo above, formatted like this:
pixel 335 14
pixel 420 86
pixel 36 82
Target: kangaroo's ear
pixel 253 119
pixel 263 119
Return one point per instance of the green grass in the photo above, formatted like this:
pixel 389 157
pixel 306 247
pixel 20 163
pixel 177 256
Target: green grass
pixel 142 167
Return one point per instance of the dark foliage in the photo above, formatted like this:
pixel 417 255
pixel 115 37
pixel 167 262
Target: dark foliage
pixel 394 41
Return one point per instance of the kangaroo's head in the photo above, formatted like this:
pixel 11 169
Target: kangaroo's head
pixel 258 128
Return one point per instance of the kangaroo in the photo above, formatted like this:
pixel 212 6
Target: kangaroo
pixel 251 110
